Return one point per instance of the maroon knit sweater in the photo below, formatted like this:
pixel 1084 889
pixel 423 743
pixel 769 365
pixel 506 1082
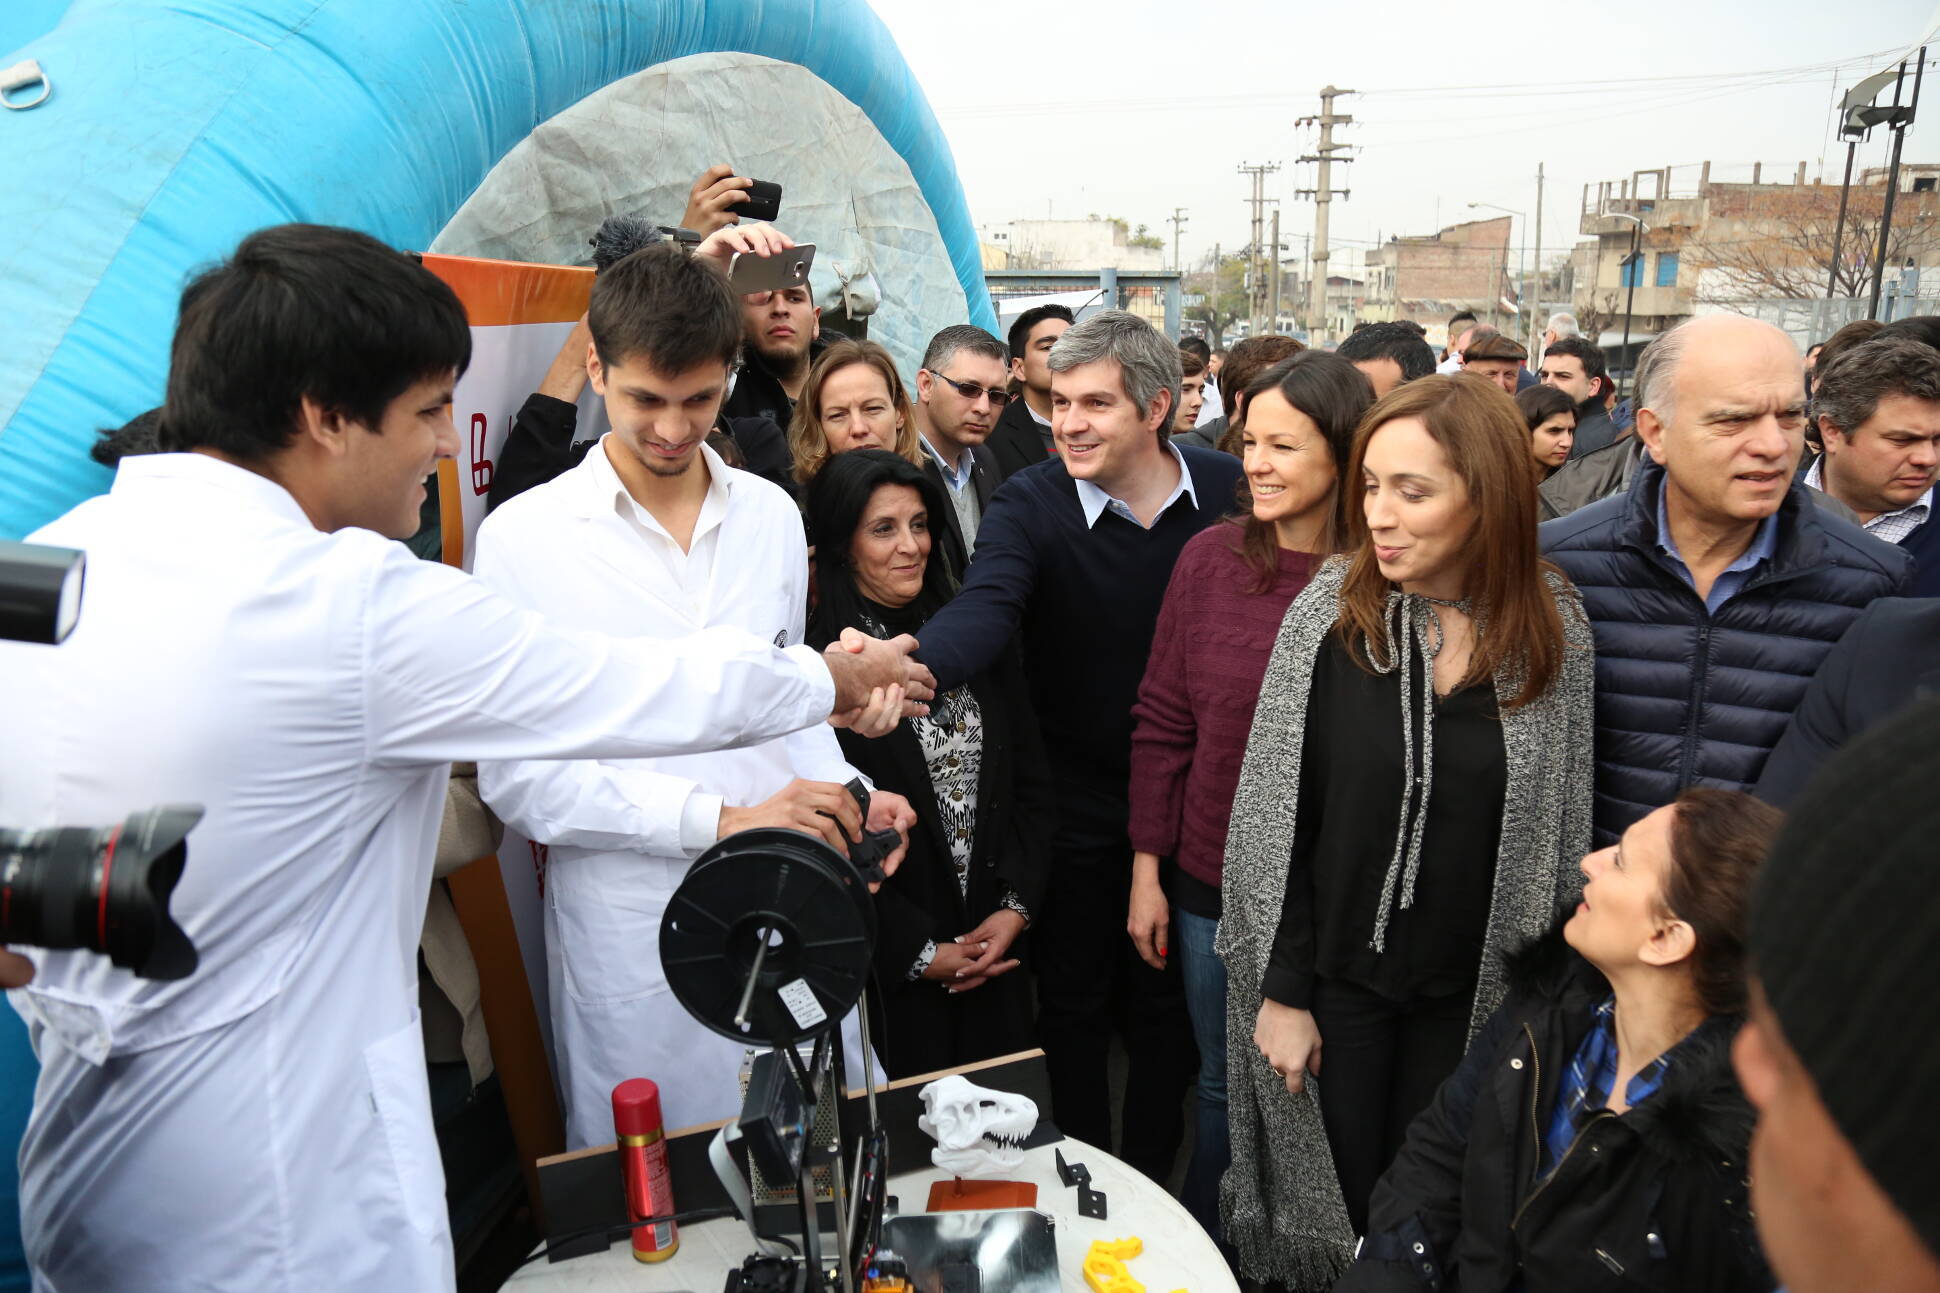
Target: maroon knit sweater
pixel 1195 706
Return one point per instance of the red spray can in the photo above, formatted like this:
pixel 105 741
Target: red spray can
pixel 643 1163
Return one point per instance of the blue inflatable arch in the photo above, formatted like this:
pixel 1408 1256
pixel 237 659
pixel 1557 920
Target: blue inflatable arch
pixel 174 130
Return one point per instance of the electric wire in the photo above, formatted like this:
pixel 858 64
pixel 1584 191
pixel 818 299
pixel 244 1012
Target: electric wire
pixel 1619 87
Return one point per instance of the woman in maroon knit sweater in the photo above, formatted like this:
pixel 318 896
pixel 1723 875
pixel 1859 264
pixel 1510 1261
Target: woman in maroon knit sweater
pixel 1229 592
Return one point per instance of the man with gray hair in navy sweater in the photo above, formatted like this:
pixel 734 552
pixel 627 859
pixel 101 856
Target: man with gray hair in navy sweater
pixel 1074 554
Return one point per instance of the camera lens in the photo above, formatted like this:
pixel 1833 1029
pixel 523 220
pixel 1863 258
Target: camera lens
pixel 101 889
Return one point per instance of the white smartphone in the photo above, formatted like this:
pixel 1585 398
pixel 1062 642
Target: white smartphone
pixel 749 274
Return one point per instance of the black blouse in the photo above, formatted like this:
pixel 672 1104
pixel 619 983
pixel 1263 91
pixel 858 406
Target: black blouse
pixel 1352 776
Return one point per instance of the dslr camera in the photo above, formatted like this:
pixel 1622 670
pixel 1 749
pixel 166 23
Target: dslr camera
pixel 101 889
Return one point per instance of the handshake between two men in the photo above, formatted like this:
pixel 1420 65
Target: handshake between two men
pixel 878 683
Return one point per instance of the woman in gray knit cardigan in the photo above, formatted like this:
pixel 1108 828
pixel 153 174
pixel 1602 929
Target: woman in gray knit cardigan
pixel 1414 800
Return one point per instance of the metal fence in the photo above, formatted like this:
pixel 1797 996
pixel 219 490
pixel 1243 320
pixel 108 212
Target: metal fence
pixel 1812 320
pixel 1152 295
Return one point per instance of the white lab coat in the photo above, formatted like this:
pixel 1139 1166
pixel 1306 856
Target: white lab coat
pixel 264 1124
pixel 621 832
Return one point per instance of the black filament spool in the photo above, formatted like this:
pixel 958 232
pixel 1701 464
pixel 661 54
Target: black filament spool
pixel 791 891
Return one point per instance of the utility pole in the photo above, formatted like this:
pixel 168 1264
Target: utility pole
pixel 1536 297
pixel 1178 220
pixel 1255 290
pixel 1323 195
pixel 1633 265
pixel 1899 121
pixel 1273 322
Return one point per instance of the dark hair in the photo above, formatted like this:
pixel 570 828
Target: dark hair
pixel 963 336
pixel 1196 345
pixel 1921 327
pixel 1585 352
pixel 1020 331
pixel 728 447
pixel 132 440
pixel 304 311
pixel 1718 840
pixel 1400 342
pixel 837 498
pixel 1248 358
pixel 1191 362
pixel 1516 618
pixel 1856 333
pixel 1849 388
pixel 1457 318
pixel 1541 403
pixel 663 307
pixel 1335 394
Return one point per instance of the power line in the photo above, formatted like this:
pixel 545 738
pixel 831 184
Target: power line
pixel 1534 90
pixel 1629 82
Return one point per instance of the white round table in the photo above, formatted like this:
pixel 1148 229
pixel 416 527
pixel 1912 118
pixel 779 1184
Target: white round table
pixel 1178 1253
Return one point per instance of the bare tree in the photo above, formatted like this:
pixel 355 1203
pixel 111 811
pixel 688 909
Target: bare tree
pixel 1780 244
pixel 1600 313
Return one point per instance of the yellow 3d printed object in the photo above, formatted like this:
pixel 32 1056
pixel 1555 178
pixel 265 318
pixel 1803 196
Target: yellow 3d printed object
pixel 1105 1269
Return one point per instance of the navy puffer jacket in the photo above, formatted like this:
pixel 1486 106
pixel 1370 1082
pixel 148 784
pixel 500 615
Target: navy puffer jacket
pixel 1689 698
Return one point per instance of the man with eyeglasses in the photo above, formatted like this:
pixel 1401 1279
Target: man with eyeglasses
pixel 960 394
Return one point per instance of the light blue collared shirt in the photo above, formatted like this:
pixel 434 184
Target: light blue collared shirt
pixel 1096 502
pixel 957 477
pixel 1732 579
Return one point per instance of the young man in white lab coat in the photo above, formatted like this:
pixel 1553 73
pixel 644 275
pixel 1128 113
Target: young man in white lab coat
pixel 653 534
pixel 253 642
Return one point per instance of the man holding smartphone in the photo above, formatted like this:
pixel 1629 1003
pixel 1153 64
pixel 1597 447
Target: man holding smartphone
pixel 783 327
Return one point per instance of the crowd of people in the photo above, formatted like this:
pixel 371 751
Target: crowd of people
pixel 1392 753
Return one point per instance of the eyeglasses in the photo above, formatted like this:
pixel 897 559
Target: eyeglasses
pixel 970 390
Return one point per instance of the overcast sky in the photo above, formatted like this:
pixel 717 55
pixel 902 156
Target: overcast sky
pixel 1134 107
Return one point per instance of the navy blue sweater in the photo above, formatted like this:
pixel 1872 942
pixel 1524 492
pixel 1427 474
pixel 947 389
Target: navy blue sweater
pixel 1086 602
pixel 1924 545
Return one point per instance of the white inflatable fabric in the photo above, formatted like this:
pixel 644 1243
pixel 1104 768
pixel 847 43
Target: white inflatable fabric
pixel 637 145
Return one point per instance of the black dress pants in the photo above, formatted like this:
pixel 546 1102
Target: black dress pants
pixel 1381 1062
pixel 1092 982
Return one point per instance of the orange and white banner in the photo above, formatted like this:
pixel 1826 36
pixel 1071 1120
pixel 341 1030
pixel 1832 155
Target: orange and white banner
pixel 520 316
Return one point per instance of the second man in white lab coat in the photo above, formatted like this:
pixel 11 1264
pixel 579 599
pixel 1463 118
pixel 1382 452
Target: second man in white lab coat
pixel 652 534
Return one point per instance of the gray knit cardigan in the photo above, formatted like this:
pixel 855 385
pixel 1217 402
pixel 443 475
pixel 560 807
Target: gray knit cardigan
pixel 1280 1201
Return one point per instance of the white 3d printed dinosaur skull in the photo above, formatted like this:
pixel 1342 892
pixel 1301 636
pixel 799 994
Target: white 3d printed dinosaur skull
pixel 978 1133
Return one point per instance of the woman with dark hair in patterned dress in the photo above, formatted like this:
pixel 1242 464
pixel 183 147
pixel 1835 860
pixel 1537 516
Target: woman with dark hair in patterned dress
pixel 950 921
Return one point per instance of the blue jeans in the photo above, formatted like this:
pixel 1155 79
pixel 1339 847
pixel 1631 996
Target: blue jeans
pixel 1205 979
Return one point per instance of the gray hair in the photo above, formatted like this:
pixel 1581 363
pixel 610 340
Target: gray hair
pixel 1849 389
pixel 1656 376
pixel 963 336
pixel 1564 324
pixel 1148 363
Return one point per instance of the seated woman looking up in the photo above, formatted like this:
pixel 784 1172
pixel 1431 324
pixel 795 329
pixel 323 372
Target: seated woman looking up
pixel 949 919
pixel 1595 1136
